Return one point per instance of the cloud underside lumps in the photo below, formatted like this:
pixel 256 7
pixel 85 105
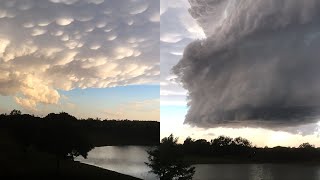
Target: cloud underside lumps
pixel 65 44
pixel 259 65
pixel 176 31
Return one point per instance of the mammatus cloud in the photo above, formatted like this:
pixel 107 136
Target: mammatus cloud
pixel 258 66
pixel 177 30
pixel 52 45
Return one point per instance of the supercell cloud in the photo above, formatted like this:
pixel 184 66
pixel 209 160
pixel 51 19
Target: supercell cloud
pixel 52 45
pixel 259 65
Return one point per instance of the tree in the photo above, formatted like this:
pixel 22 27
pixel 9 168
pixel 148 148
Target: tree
pixel 221 141
pixel 15 112
pixel 188 141
pixel 306 146
pixel 242 142
pixel 62 139
pixel 166 161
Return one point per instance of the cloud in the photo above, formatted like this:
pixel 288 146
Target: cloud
pixel 28 104
pixel 147 109
pixel 28 90
pixel 67 44
pixel 170 38
pixel 175 34
pixel 155 17
pixel 257 67
pixel 64 21
pixel 140 8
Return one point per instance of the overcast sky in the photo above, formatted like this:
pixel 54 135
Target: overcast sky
pixel 57 55
pixel 243 85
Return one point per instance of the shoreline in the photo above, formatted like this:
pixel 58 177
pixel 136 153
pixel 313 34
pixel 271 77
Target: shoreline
pixel 209 160
pixel 47 169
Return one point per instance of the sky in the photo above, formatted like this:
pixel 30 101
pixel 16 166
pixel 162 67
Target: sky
pixel 227 71
pixel 223 67
pixel 90 58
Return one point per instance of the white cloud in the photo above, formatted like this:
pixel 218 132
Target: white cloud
pixel 170 37
pixel 18 50
pixel 64 21
pixel 66 44
pixel 64 1
pixel 3 45
pixel 28 25
pixel 38 31
pixel 27 104
pixel 66 58
pixel 140 8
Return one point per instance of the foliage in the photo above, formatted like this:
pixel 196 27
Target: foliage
pixel 66 137
pixel 15 112
pixel 222 141
pixel 225 149
pixel 167 161
pixel 306 146
pixel 63 130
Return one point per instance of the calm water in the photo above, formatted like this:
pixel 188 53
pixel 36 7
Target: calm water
pixel 123 159
pixel 256 172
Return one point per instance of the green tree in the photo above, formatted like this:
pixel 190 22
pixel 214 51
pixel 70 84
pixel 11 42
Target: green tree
pixel 166 161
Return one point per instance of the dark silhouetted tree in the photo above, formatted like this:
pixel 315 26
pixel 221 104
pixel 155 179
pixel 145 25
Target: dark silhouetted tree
pixel 306 146
pixel 62 139
pixel 66 137
pixel 221 141
pixel 15 112
pixel 188 141
pixel 242 142
pixel 166 161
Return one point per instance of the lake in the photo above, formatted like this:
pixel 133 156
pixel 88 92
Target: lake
pixel 123 159
pixel 257 172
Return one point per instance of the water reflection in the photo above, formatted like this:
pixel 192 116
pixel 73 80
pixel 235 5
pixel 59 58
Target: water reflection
pixel 257 172
pixel 124 159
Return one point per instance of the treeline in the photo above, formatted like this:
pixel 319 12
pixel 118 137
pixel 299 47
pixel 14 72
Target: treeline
pixel 32 145
pixel 97 132
pixel 240 150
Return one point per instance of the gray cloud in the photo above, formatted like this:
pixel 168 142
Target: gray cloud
pixel 67 44
pixel 176 31
pixel 258 66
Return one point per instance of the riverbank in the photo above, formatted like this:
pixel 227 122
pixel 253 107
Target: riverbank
pixel 15 162
pixel 233 160
pixel 48 167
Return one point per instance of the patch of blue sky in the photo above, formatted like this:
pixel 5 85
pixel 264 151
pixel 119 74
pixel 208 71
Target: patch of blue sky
pixel 108 97
pixel 7 103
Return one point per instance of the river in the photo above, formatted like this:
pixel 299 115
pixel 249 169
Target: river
pixel 123 159
pixel 257 172
pixel 130 160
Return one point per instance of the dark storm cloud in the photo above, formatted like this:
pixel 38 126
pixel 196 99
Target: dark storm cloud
pixel 259 65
